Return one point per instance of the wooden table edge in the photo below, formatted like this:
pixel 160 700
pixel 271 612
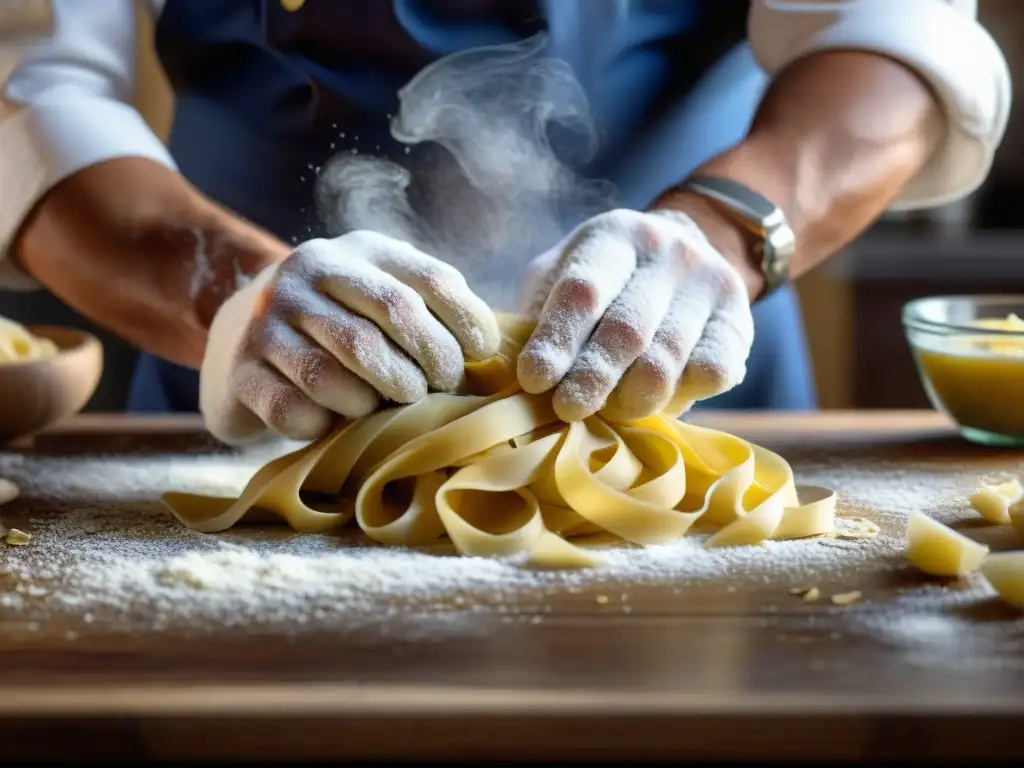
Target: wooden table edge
pixel 331 699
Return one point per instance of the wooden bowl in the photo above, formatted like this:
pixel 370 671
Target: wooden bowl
pixel 40 393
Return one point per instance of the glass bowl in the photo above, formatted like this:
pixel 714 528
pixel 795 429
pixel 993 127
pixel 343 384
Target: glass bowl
pixel 969 352
pixel 970 356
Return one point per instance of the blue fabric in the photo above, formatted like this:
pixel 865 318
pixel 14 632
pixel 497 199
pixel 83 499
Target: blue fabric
pixel 779 373
pixel 264 95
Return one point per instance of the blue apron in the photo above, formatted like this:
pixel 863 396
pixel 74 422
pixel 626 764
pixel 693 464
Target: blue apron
pixel 265 96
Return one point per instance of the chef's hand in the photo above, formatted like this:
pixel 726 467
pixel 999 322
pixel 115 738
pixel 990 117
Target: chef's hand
pixel 637 313
pixel 335 328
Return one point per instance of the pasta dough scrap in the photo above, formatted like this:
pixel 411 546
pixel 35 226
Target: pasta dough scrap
pixel 16 538
pixel 993 501
pixel 1005 572
pixel 18 344
pixel 938 550
pixel 494 470
pixel 846 598
pixel 1016 515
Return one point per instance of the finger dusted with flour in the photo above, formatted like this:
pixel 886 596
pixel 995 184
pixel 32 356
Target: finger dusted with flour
pixel 336 329
pixel 643 314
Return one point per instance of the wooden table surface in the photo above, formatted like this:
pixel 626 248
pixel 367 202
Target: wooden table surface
pixel 704 676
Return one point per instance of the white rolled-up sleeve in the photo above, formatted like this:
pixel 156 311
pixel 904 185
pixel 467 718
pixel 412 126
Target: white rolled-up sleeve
pixel 67 105
pixel 941 40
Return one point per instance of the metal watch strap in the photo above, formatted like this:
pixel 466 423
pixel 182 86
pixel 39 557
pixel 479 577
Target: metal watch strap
pixel 776 240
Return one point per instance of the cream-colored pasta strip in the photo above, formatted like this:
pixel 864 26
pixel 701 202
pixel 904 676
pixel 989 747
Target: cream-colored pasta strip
pixel 993 501
pixel 814 514
pixel 425 457
pixel 495 471
pixel 496 528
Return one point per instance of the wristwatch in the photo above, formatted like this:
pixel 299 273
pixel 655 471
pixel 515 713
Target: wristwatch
pixel 765 220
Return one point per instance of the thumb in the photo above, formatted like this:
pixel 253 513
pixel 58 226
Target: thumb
pixel 223 416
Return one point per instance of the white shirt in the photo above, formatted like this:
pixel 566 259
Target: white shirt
pixel 67 100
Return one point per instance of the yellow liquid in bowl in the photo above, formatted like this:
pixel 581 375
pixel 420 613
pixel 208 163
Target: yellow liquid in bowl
pixel 979 380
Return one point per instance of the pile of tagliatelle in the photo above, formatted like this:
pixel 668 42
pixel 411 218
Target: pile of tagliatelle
pixel 496 471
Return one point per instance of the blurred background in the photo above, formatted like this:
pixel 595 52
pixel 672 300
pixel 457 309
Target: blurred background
pixel 851 305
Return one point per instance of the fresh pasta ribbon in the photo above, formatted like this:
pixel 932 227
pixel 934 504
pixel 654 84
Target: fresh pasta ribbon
pixel 495 471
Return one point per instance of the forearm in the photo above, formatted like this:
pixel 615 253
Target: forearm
pixel 132 246
pixel 836 137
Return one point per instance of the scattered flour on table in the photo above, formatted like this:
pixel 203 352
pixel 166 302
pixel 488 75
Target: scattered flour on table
pixel 106 552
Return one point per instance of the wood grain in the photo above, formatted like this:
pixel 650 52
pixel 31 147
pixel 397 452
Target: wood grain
pixel 707 674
